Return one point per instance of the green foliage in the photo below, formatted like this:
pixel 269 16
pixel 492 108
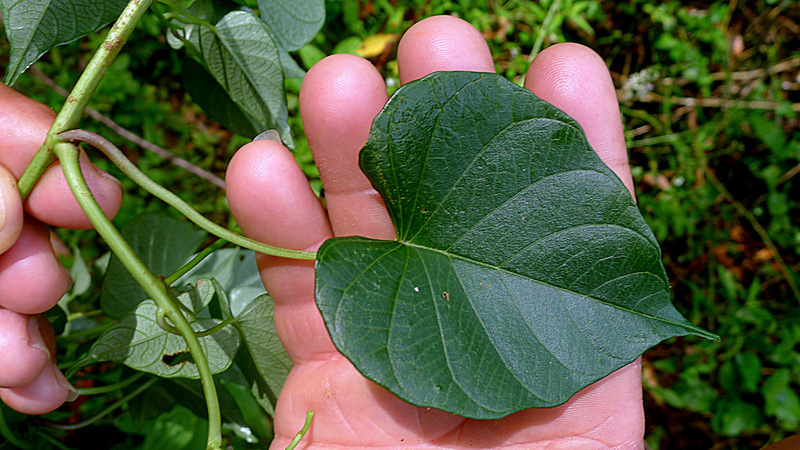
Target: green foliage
pixel 699 394
pixel 35 27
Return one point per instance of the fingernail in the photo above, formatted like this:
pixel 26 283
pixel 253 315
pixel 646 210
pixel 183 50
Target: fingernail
pixel 35 339
pixel 73 393
pixel 269 135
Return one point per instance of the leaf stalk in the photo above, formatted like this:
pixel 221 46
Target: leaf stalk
pixel 128 168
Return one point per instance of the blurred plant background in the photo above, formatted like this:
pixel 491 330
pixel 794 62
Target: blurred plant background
pixel 710 96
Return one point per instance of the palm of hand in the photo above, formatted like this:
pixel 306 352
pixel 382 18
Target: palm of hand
pixel 272 202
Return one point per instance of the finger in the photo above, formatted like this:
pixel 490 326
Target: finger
pixel 23 353
pixel 10 210
pixel 442 43
pixel 47 390
pixel 338 100
pixel 24 124
pixel 44 394
pixel 576 80
pixel 52 201
pixel 270 198
pixel 31 278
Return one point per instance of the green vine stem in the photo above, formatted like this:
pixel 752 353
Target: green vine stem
pixel 8 434
pixel 152 285
pixel 85 423
pixel 218 244
pixel 299 436
pixel 130 169
pixel 78 99
pixel 111 387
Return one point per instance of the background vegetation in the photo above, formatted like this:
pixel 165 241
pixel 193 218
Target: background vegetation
pixel 710 96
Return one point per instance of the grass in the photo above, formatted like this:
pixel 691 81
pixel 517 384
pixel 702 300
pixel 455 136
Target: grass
pixel 710 95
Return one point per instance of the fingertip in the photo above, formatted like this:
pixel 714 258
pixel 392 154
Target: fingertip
pixel 10 210
pixel 44 394
pixel 52 201
pixel 23 351
pixel 576 80
pixel 339 98
pixel 31 278
pixel 270 197
pixel 442 43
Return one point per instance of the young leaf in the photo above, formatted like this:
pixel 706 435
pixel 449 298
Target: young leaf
pixel 262 360
pixel 522 271
pixel 140 343
pixel 292 22
pixel 162 243
pixel 34 27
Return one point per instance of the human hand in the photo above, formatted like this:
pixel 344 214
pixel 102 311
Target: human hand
pixel 272 202
pixel 31 278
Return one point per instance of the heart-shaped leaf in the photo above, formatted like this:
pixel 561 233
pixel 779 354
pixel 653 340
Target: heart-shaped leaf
pixel 522 271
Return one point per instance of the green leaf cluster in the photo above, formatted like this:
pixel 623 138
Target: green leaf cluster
pixel 223 293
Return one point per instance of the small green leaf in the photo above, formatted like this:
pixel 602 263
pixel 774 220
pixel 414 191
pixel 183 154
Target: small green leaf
pixel 262 357
pixel 34 27
pixel 293 22
pixel 162 243
pixel 734 416
pixel 140 343
pixel 781 400
pixel 523 270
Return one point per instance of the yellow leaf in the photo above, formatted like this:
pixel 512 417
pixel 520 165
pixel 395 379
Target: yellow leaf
pixel 375 45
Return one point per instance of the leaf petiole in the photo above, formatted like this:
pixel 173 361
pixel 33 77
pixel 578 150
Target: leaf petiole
pixel 111 387
pixel 218 244
pixel 107 411
pixel 139 177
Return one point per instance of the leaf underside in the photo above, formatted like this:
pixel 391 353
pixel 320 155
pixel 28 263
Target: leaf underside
pixel 34 27
pixel 522 271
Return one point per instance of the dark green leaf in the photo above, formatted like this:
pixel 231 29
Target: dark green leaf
pixel 162 243
pixel 292 22
pixel 523 270
pixel 34 27
pixel 215 101
pixel 177 430
pixel 241 55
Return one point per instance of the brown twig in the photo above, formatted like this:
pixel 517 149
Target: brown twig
pixel 788 273
pixel 94 114
pixel 716 102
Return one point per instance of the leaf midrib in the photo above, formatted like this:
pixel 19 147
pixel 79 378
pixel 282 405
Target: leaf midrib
pixel 533 280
